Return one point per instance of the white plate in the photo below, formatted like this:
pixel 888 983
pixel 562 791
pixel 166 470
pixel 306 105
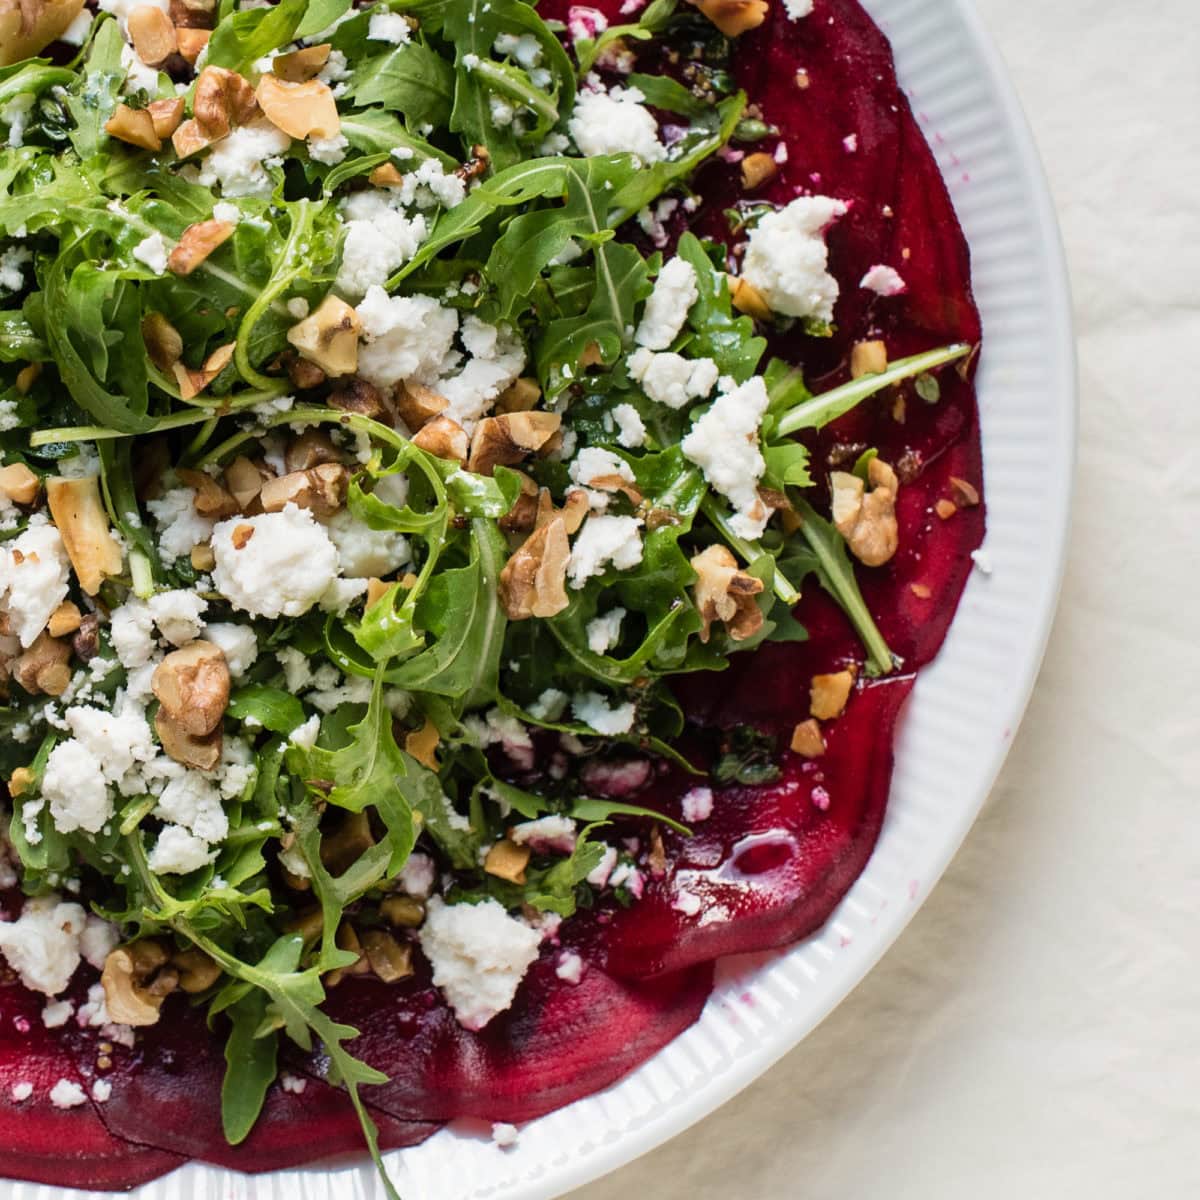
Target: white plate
pixel 960 722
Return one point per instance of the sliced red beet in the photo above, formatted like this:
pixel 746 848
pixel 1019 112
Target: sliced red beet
pixel 772 862
pixel 43 1143
pixel 559 1042
pixel 166 1092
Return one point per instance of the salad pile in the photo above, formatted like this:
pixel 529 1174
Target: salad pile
pixel 380 448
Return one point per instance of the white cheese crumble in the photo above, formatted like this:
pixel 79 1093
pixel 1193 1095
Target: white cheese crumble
pixel 798 9
pixel 364 552
pixel 180 526
pixel 76 33
pixel 42 944
pixel 594 711
pixel 192 801
pixel 525 48
pixel 479 956
pixel 74 787
pixel 723 443
pixel 570 967
pixel 380 237
pixel 418 875
pixel 152 252
pixel 389 27
pixel 284 568
pixel 404 337
pixel 177 615
pixel 615 122
pixel 604 868
pixel 697 804
pixel 675 291
pixel 223 210
pixel 505 1135
pixel 236 163
pixel 604 540
pixel 12 276
pixel 631 429
pixel 101 1091
pixel 305 736
pixel 15 114
pixel 549 706
pixel 34 575
pixel 237 643
pixel 883 281
pixel 497 359
pixel 66 1094
pixel 671 379
pixel 57 1013
pixel 20 1092
pixel 604 632
pixel 594 466
pixel 329 151
pixel 787 259
pixel 178 852
pixel 546 834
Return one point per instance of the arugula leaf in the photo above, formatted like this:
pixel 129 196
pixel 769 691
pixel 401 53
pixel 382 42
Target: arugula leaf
pixel 411 79
pixel 589 809
pixel 250 1060
pixel 270 707
pixel 653 19
pixel 245 36
pixel 93 98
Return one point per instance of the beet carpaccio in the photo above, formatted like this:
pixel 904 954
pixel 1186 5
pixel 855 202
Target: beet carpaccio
pixel 479 483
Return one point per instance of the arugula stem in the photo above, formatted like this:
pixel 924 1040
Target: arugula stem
pixel 142 574
pixel 499 80
pixel 820 410
pixel 748 551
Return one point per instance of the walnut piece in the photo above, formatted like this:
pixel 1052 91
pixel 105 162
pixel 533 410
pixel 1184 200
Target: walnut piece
pixel 748 299
pixel 192 383
pixel 807 739
pixel 301 110
pixel 733 17
pixel 520 396
pixel 82 522
pixel 301 65
pixel 20 484
pixel 329 337
pixel 758 168
pixel 196 244
pixel 312 448
pixel 134 126
pixel 211 499
pixel 868 358
pixel 867 520
pixel 417 404
pixel 152 33
pixel 443 438
pixel 192 42
pixel 533 582
pixel 322 489
pixel 222 100
pixel 66 618
pixel 507 860
pixel 44 667
pixel 244 480
pixel 192 685
pixel 165 115
pixel 357 396
pixel 422 744
pixel 164 344
pixel 388 959
pixel 510 438
pixel 128 973
pixel 725 593
pixel 828 693
pixel 199 751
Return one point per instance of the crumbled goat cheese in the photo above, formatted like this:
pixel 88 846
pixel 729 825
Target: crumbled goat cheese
pixel 501 111
pixel 404 338
pixel 57 1014
pixel 671 379
pixel 505 1135
pixel 594 463
pixel 380 237
pixel 982 560
pixel 73 786
pixel 237 643
pixel 629 877
pixel 525 48
pixel 330 151
pixel 20 1092
pixel 787 259
pixel 15 114
pixel 283 569
pixel 797 9
pixel 177 615
pixel 180 526
pixel 12 276
pixel 631 429
pixel 697 804
pixel 723 443
pixel 295 1084
pixel 549 706
pixel 603 869
pixel 305 736
pixel 883 281
pixel 687 903
pixel 139 76
pixel 178 852
pixel 389 27
pixel 497 359
pixel 585 22
pixel 117 741
pixel 604 540
pixel 34 575
pixel 101 1091
pixel 191 801
pixel 131 631
pixel 42 944
pixel 570 967
pixel 236 162
pixel 341 593
pixel 675 291
pixel 337 67
pixel 76 33
pixel 479 956
pixel 97 941
pixel 223 210
pixel 615 122
pixel 604 632
pixel 364 552
pixel 152 251
pixel 594 711
pixel 418 875
pixel 66 1094
pixel 546 834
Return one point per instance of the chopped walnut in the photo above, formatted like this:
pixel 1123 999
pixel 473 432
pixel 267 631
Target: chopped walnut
pixel 152 33
pixel 322 489
pixel 807 739
pixel 725 593
pixel 222 99
pixel 966 495
pixel 507 860
pixel 867 520
pixel 520 396
pixel 199 751
pixel 522 517
pixel 329 337
pixel 192 383
pixel 417 404
pixel 868 358
pixel 65 619
pixel 164 344
pixel 443 438
pixel 20 484
pixel 301 65
pixel 27 27
pixel 301 110
pixel 757 169
pixel 748 299
pixel 828 693
pixel 573 512
pixel 244 480
pixel 196 244
pixel 211 499
pixel 192 684
pixel 357 396
pixel 134 126
pixel 533 582
pixel 44 667
pixel 510 438
pixel 165 115
pixel 310 449
pixel 385 175
pixel 389 959
pixel 192 42
pixel 82 521
pixel 734 17
pixel 945 508
pixel 422 744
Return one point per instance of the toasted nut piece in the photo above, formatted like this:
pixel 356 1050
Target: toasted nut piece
pixel 211 499
pixel 758 168
pixel 192 383
pixel 385 175
pixel 345 847
pixel 748 299
pixel 190 139
pixel 573 512
pixel 241 536
pixel 868 358
pixel 86 642
pixel 724 593
pixel 152 33
pixel 403 911
pixel 376 590
pixel 444 438
pixel 27 377
pixel 66 618
pixel 127 971
pixel 20 781
pixel 509 438
pixel 197 972
pixel 165 115
pixel 202 557
pixel 82 524
pixel 802 80
pixel 193 14
pixel 19 483
pixel 201 752
pixel 300 65
pixel 506 860
pixel 329 336
pixel 591 356
pixel 347 939
pixel 133 125
pixel 192 684
pixel 301 110
pixel 417 404
pixel 164 344
pixel 28 26
pixel 192 42
pixel 357 396
pixel 244 481
pixel 309 925
pixel 807 739
pixel 945 508
pixel 310 449
pixel 533 581
pixel 222 100
pixel 387 957
pixel 321 489
pixel 43 667
pixel 921 590
pixel 867 520
pixel 196 244
pixel 734 17
pixel 303 374
pixel 966 495
pixel 422 744
pixel 522 517
pixel 520 396
pixel 828 694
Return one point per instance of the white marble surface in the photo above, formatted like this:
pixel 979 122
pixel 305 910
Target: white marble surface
pixel 1036 1031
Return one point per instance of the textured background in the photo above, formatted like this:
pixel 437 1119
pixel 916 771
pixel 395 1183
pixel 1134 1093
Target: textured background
pixel 1036 1030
